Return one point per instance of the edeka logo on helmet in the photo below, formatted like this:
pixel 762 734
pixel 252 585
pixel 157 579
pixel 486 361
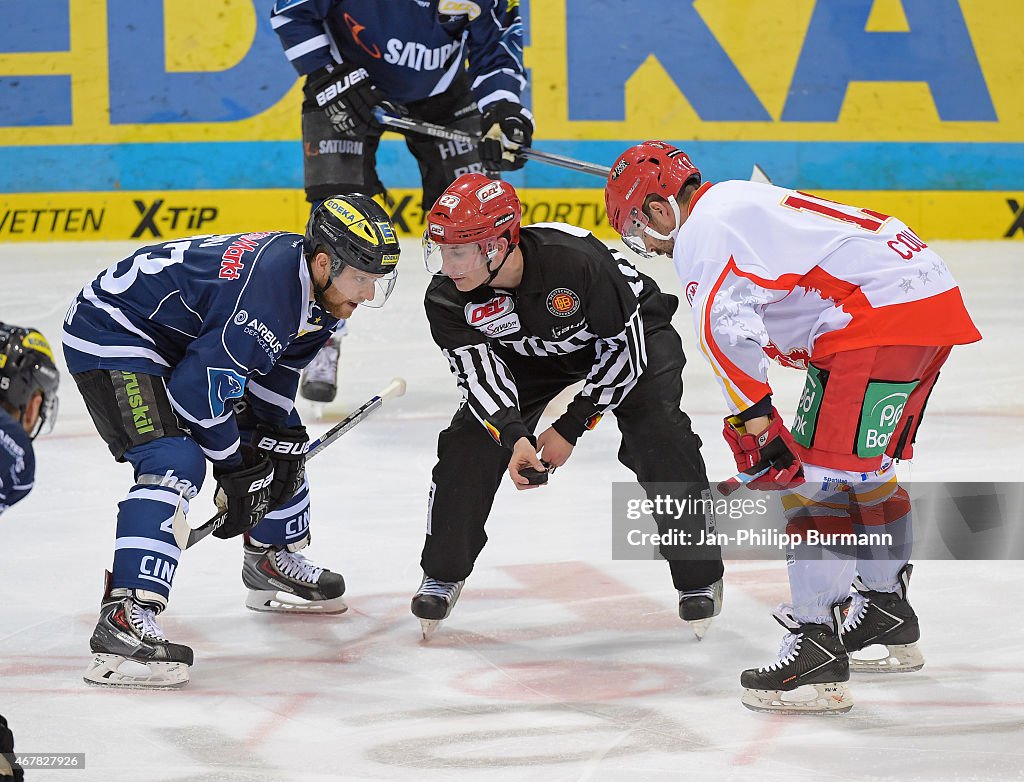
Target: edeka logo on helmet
pixel 466 222
pixel 355 232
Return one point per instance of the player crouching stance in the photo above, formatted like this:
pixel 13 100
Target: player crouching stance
pixel 191 351
pixel 858 300
pixel 521 314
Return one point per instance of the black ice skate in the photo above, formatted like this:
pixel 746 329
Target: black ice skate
pixel 434 601
pixel 810 675
pixel 699 606
pixel 285 581
pixel 885 619
pixel 320 377
pixel 129 648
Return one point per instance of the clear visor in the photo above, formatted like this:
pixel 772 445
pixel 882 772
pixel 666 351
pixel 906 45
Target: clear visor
pixel 633 231
pixel 47 416
pixel 382 287
pixel 457 260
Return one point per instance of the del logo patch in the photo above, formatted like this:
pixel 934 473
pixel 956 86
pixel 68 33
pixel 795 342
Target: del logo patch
pixel 563 302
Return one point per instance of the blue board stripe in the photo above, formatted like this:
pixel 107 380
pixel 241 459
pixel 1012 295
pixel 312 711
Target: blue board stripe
pixel 278 164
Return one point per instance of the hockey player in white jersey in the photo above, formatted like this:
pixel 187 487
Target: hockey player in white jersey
pixel 857 299
pixel 189 352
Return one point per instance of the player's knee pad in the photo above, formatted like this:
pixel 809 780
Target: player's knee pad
pixel 178 463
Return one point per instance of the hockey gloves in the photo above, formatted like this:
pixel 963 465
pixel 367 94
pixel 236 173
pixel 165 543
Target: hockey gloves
pixel 347 97
pixel 286 448
pixel 244 494
pixel 769 453
pixel 505 126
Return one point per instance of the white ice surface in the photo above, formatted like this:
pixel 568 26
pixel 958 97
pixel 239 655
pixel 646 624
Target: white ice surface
pixel 558 663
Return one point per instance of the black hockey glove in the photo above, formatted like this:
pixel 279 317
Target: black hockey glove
pixel 503 124
pixel 347 97
pixel 243 493
pixel 8 767
pixel 286 447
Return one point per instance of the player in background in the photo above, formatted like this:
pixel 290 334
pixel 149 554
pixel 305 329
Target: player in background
pixel 521 314
pixel 28 407
pixel 190 351
pixel 408 58
pixel 858 300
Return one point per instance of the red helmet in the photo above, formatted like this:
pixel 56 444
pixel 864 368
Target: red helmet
pixel 651 168
pixel 475 209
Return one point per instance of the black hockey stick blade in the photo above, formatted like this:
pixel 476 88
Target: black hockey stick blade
pixel 186 537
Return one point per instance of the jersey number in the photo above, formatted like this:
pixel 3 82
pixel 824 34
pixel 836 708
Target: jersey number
pixel 867 219
pixel 144 263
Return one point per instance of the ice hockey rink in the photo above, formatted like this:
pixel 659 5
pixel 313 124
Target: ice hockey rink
pixel 559 663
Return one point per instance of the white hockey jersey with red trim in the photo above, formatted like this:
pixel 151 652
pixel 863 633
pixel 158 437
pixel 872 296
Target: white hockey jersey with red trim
pixel 776 273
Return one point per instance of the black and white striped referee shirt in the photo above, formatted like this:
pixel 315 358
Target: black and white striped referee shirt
pixel 576 294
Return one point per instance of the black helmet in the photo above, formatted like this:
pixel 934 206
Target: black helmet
pixel 356 232
pixel 27 367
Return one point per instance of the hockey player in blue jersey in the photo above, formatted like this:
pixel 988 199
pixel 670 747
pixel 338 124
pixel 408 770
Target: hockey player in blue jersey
pixel 28 407
pixel 190 351
pixel 409 56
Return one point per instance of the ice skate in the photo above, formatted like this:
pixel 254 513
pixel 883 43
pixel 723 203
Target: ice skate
pixel 433 602
pixel 880 629
pixel 129 648
pixel 320 377
pixel 282 580
pixel 810 675
pixel 698 607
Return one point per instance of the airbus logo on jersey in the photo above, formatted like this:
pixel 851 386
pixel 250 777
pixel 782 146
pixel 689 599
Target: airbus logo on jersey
pixel 268 341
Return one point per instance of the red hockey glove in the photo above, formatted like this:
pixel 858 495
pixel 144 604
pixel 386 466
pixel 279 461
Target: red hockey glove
pixel 770 453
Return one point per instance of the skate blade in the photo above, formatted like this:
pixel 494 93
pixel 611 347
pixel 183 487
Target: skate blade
pixel 885 658
pixel 273 601
pixel 104 671
pixel 699 627
pixel 831 698
pixel 428 627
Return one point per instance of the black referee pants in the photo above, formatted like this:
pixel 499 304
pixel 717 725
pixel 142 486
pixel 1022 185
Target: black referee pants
pixel 658 445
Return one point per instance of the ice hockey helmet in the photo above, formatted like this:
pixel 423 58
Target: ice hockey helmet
pixel 475 208
pixel 650 168
pixel 356 232
pixel 26 368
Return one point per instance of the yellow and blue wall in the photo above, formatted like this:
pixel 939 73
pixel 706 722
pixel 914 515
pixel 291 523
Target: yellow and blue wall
pixel 144 119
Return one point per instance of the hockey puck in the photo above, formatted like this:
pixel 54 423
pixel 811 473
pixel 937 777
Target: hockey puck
pixel 535 477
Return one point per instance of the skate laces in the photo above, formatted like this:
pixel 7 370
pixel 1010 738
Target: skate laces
pixel 324 366
pixel 858 608
pixel 443 589
pixel 787 652
pixel 144 620
pixel 296 566
pixel 707 592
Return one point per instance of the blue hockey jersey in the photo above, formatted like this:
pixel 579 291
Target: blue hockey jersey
pixel 216 316
pixel 17 461
pixel 412 49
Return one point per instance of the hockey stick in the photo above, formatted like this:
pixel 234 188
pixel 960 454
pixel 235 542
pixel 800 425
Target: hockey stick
pixel 439 131
pixel 186 537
